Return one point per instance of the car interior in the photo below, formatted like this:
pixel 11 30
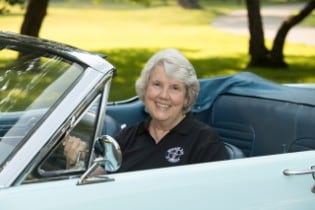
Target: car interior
pixel 272 119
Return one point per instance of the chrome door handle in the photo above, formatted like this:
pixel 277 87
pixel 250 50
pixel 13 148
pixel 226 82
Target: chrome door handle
pixel 288 172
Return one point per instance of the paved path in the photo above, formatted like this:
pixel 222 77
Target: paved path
pixel 236 23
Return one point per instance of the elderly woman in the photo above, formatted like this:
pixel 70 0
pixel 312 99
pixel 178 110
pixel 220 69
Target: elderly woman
pixel 168 87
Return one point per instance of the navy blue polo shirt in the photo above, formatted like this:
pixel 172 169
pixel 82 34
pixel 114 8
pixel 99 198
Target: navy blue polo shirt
pixel 191 141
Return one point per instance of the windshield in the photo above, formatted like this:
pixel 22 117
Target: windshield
pixel 31 84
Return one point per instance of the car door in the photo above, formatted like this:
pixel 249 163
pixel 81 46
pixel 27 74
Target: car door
pixel 247 184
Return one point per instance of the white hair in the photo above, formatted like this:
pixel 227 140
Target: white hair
pixel 177 67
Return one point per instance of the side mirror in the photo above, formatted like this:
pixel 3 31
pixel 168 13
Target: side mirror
pixel 111 161
pixel 112 152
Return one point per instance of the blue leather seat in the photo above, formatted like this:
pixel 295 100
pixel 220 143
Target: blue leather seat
pixel 111 127
pixel 233 151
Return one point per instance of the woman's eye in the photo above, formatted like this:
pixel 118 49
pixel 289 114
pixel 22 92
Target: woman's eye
pixel 156 84
pixel 175 87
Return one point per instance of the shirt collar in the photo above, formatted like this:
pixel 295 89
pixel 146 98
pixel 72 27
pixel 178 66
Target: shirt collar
pixel 183 127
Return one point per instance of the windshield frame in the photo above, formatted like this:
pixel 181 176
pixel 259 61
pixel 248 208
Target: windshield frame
pixel 10 143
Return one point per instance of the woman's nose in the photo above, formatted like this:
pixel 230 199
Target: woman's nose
pixel 164 93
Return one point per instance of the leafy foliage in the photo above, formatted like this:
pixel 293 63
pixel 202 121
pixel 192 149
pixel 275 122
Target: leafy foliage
pixel 6 4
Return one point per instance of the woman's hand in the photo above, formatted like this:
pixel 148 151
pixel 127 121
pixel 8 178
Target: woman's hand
pixel 75 150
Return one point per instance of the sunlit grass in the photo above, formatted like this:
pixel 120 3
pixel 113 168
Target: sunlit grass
pixel 130 34
pixel 309 20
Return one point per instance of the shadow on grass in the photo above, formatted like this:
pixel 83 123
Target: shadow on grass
pixel 129 63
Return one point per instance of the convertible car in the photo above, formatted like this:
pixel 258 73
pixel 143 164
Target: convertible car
pixel 49 91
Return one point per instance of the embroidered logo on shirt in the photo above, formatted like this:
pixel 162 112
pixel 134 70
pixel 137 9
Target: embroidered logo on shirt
pixel 174 154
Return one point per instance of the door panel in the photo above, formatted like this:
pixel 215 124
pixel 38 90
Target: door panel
pixel 247 184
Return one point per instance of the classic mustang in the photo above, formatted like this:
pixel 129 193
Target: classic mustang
pixel 49 91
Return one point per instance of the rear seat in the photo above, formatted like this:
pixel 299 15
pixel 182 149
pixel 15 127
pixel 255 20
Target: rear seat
pixel 262 126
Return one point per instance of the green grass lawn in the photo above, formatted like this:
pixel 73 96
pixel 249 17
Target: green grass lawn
pixel 129 34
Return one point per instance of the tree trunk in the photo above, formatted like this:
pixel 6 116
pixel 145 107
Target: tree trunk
pixel 189 4
pixel 34 16
pixel 277 57
pixel 257 49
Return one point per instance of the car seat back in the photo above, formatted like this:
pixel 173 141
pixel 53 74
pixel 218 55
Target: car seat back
pixel 260 126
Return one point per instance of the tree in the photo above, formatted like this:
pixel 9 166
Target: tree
pixel 260 55
pixel 34 16
pixel 189 4
pixel 277 58
pixel 5 4
pixel 257 48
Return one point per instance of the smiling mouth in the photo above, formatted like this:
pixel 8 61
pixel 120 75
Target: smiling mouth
pixel 161 105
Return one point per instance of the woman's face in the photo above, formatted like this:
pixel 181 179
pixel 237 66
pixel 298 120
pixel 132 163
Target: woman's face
pixel 164 97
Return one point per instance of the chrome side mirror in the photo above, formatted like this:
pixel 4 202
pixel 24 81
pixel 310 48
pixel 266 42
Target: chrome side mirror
pixel 113 156
pixel 111 161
